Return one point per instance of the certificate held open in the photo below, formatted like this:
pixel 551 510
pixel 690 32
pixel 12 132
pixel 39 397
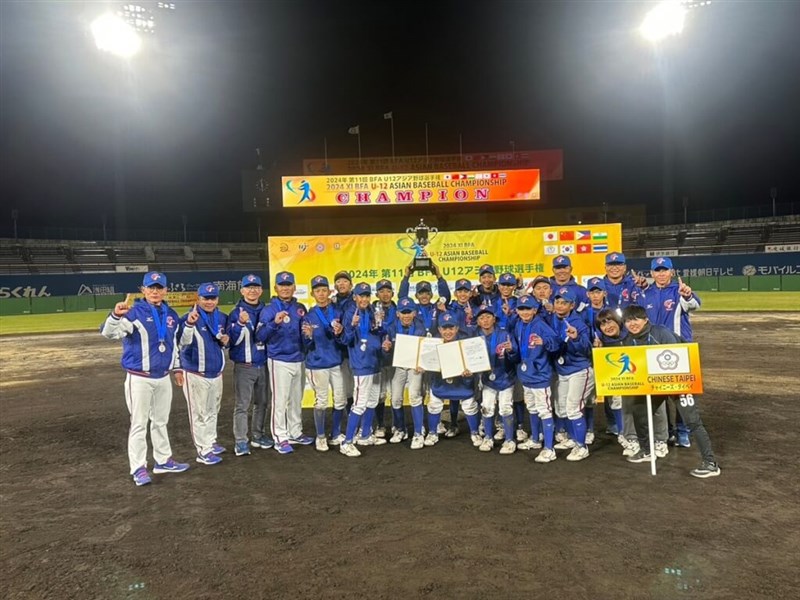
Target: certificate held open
pixel 463 355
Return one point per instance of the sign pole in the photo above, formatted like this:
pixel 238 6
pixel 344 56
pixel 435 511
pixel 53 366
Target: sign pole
pixel 651 435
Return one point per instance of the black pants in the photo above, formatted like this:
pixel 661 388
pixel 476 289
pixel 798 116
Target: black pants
pixel 691 417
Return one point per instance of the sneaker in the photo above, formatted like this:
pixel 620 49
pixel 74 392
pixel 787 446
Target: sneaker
pixel 707 469
pixel 171 467
pixel 398 436
pixel 481 429
pixel 623 441
pixel 241 449
pixel 521 435
pixel 545 456
pixel 380 432
pixel 508 447
pixel 441 429
pixel 487 445
pixel 431 439
pixel 208 459
pixel 451 432
pixel 612 430
pixel 529 444
pixel 321 444
pixel 661 449
pixel 349 450
pixel 417 442
pixel 589 438
pixel 476 439
pixel 578 453
pixel 683 439
pixel 370 441
pixel 218 449
pixel 633 448
pixel 262 442
pixel 561 436
pixel 142 477
pixel 640 457
pixel 672 440
pixel 303 440
pixel 284 448
pixel 338 440
pixel 567 444
pixel 499 435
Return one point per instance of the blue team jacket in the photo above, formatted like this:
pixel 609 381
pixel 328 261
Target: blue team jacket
pixel 666 307
pixel 284 340
pixel 441 287
pixel 491 297
pixel 204 354
pixel 581 299
pixel 619 295
pixel 324 349
pixel 537 359
pixel 244 348
pixel 457 388
pixel 369 360
pixel 572 355
pixel 503 365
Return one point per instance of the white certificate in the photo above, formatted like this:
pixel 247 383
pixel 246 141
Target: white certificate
pixel 428 356
pixel 413 351
pixel 464 355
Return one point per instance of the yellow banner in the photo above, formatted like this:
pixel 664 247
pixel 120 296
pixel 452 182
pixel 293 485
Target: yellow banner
pixel 640 370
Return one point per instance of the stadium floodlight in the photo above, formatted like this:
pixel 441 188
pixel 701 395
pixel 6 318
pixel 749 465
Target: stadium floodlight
pixel 664 20
pixel 112 34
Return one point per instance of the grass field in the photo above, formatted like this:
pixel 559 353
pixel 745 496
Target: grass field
pixel 712 301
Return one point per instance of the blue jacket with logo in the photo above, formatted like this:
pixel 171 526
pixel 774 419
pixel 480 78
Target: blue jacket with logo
pixel 244 348
pixel 503 364
pixel 324 349
pixel 537 358
pixel 581 298
pixel 666 307
pixel 366 335
pixel 441 287
pixel 200 350
pixel 572 355
pixel 284 340
pixel 457 388
pixel 619 295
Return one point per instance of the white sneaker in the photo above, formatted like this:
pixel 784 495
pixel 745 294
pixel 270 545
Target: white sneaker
pixel 661 449
pixel 633 448
pixel 349 450
pixel 529 444
pixel 589 438
pixel 451 432
pixel 578 453
pixel 486 445
pixel 521 435
pixel 370 441
pixel 431 439
pixel 417 442
pixel 321 444
pixel 380 432
pixel 398 436
pixel 561 436
pixel 567 444
pixel 481 429
pixel 499 435
pixel 476 439
pixel 508 447
pixel 545 456
pixel 623 441
pixel 338 440
pixel 441 429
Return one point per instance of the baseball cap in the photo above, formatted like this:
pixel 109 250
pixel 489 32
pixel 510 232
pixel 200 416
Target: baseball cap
pixel 448 319
pixel 566 294
pixel 343 275
pixel 540 279
pixel 507 279
pixel 251 279
pixel 463 284
pixel 154 278
pixel 208 290
pixel 483 308
pixel 562 261
pixel 362 289
pixel 486 269
pixel 662 262
pixel 284 278
pixel 406 305
pixel 595 283
pixel 527 302
pixel 383 284
pixel 424 286
pixel 319 281
pixel 615 258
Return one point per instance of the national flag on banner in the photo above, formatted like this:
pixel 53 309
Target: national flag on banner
pixel 602 235
pixel 583 235
pixel 354 130
pixel 495 175
pixel 455 176
pixel 550 236
pixel 566 236
pixel 600 248
pixel 584 248
pixel 550 250
pixel 448 176
pixel 387 115
pixel 567 249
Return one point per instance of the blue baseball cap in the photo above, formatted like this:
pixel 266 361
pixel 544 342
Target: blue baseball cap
pixel 319 281
pixel 406 305
pixel 284 278
pixel 362 289
pixel 596 283
pixel 507 279
pixel 483 308
pixel 566 294
pixel 448 319
pixel 562 261
pixel 527 302
pixel 463 284
pixel 662 262
pixel 154 278
pixel 208 290
pixel 424 286
pixel 383 284
pixel 251 279
pixel 615 258
pixel 541 279
pixel 486 269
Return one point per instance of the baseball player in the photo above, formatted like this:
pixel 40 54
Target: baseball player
pixel 148 331
pixel 536 342
pixel 487 291
pixel 621 286
pixel 385 311
pixel 505 311
pixel 249 368
pixel 542 290
pixel 202 356
pixel 426 310
pixel 367 343
pixel 562 277
pixel 322 336
pixel 280 328
pixel 343 301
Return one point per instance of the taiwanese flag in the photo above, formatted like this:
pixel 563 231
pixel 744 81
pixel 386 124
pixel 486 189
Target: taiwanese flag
pixel 564 236
pixel 584 248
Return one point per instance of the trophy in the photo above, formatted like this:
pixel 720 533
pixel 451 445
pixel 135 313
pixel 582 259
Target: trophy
pixel 422 235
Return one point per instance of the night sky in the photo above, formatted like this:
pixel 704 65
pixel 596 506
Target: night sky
pixel 222 78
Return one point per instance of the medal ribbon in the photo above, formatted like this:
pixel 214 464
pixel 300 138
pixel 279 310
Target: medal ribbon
pixel 363 325
pixel 524 348
pixel 211 323
pixel 493 349
pixel 161 325
pixel 323 315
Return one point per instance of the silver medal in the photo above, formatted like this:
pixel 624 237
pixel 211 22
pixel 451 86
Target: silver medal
pixel 162 347
pixel 560 360
pixel 523 368
pixel 363 347
pixel 428 334
pixel 286 319
pixel 449 380
pixel 492 376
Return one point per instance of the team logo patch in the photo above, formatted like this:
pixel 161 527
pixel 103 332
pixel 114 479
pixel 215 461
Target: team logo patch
pixel 300 312
pixel 563 291
pixel 625 294
pixel 660 261
pixel 170 322
pixel 669 304
pixel 154 276
pixel 251 278
pixel 594 281
pixel 667 360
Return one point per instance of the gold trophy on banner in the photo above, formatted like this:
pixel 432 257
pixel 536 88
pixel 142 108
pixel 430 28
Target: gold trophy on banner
pixel 421 235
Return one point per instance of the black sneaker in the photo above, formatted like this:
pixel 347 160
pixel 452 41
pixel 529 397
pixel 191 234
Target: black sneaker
pixel 707 469
pixel 640 457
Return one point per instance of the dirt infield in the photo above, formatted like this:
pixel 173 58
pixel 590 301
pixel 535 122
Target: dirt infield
pixel 442 522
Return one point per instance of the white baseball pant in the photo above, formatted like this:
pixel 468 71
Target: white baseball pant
pixel 285 380
pixel 148 400
pixel 203 399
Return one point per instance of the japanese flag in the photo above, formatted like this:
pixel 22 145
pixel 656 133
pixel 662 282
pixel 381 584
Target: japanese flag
pixel 550 236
